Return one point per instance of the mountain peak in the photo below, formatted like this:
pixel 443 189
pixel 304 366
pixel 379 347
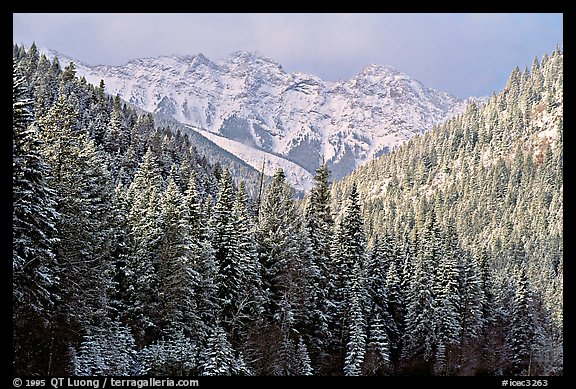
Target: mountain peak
pixel 199 59
pixel 249 99
pixel 250 57
pixel 376 69
pixel 62 58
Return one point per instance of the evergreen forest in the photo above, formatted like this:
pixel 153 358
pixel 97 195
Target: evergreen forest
pixel 136 252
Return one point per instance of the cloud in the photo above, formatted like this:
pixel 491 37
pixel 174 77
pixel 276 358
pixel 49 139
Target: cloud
pixel 464 54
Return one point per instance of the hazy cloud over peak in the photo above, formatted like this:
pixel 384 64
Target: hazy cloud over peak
pixel 463 54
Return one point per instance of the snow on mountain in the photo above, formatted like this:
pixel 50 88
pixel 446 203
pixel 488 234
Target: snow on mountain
pixel 300 178
pixel 250 99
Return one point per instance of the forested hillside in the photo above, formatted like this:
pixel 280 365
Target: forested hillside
pixel 478 201
pixel 77 156
pixel 132 254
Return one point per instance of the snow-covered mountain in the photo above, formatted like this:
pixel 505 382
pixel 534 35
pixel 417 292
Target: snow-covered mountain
pixel 250 99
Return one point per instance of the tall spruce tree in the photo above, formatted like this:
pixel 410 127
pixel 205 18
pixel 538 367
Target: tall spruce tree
pixel 222 229
pixel 34 236
pixel 177 275
pixel 248 304
pixel 419 338
pixel 447 303
pixel 143 198
pixel 278 246
pixel 521 335
pixel 85 228
pixel 219 358
pixel 356 324
pixel 348 254
pixel 318 227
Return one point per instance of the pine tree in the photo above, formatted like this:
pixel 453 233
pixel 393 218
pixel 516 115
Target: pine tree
pixel 117 136
pixel 46 89
pixel 396 307
pixel 85 228
pixel 419 338
pixel 472 304
pixel 218 358
pixel 380 259
pixel 378 356
pixel 284 278
pixel 178 277
pixel 107 350
pixel 356 343
pixel 34 234
pixel 17 53
pixel 348 254
pixel 173 355
pixel 521 334
pixel 303 365
pixel 249 301
pixel 222 230
pixel 319 222
pixel 145 234
pixel 318 229
pixel 448 299
pixel 488 307
pixel 29 64
pixel 350 239
pixel 278 247
pixel 202 254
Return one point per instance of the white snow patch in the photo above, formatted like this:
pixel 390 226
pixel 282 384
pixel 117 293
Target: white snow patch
pixel 296 175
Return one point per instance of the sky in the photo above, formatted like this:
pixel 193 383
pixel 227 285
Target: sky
pixel 462 54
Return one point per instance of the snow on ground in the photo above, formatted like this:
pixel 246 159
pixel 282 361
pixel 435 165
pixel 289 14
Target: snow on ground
pixel 297 176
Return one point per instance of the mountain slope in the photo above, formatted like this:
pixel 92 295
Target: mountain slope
pixel 495 176
pixel 299 177
pixel 251 99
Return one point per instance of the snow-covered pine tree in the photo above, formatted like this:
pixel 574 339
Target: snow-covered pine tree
pixel 378 261
pixel 85 226
pixel 248 306
pixel 278 248
pixel 377 360
pixel 318 227
pixel 174 354
pixel 419 337
pixel 143 199
pixel 108 349
pixel 219 359
pixel 488 306
pixel 303 365
pixel 350 239
pixel 284 278
pixel 46 89
pixel 472 304
pixel 29 64
pixel 521 335
pixel 319 224
pixel 202 254
pixel 34 235
pixel 223 234
pixel 447 295
pixel 397 309
pixel 177 277
pixel 117 136
pixel 18 52
pixel 349 256
pixel 356 324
